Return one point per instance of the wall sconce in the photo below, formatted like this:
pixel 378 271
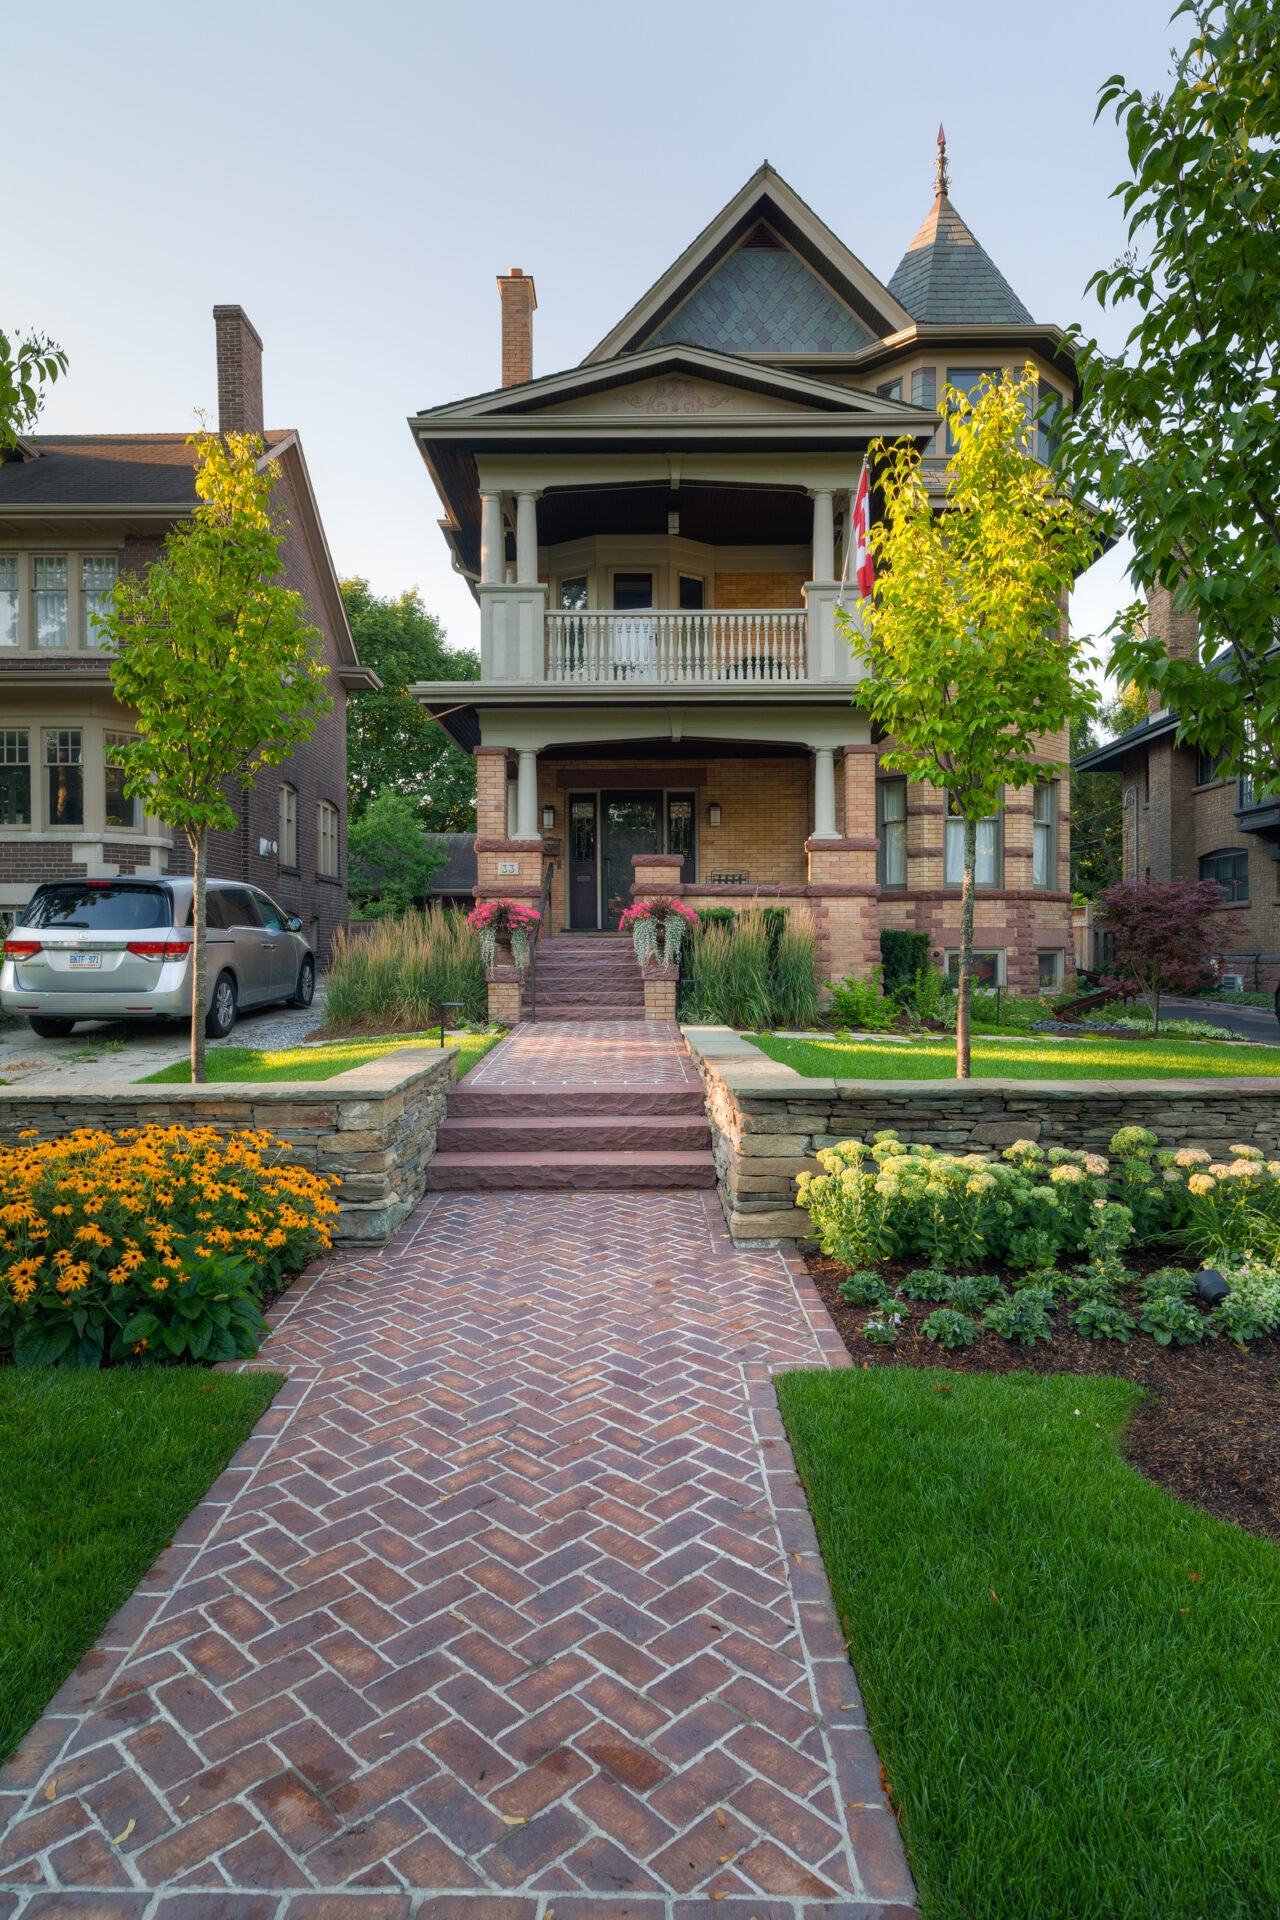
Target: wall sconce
pixel 713 814
pixel 548 819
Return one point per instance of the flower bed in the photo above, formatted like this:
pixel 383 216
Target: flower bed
pixel 154 1244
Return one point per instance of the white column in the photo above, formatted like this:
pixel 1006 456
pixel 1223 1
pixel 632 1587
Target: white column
pixel 526 538
pixel 527 797
pixel 824 534
pixel 492 544
pixel 824 793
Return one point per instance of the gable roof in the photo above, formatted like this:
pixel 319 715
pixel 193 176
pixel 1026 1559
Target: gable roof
pixel 946 276
pixel 735 285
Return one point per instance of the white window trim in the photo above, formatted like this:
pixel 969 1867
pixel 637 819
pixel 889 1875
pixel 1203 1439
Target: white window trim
pixel 93 750
pixel 328 828
pixel 979 953
pixel 77 640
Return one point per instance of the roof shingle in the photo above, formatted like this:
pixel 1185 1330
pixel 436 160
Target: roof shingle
pixel 946 278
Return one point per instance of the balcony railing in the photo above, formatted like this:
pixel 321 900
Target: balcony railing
pixel 748 645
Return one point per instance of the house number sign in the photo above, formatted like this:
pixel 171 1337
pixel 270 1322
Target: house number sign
pixel 508 866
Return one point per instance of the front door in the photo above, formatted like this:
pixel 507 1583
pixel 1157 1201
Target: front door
pixel 584 868
pixel 681 812
pixel 631 823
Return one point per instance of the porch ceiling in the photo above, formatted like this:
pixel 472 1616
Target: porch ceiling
pixel 724 515
pixel 571 719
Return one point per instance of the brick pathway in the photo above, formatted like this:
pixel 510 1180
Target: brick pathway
pixel 588 1053
pixel 511 1609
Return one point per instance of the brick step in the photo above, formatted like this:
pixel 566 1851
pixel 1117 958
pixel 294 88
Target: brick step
pixel 580 1172
pixel 579 1014
pixel 619 1102
pixel 576 1133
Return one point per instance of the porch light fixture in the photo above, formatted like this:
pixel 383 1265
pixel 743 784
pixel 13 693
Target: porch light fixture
pixel 713 813
pixel 548 819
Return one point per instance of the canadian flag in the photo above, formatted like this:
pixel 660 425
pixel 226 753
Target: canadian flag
pixel 864 565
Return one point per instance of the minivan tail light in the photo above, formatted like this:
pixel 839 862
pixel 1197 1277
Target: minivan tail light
pixel 159 949
pixel 20 949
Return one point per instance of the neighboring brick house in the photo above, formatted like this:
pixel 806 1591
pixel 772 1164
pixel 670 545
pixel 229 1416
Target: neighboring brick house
pixel 75 511
pixel 1183 821
pixel 656 542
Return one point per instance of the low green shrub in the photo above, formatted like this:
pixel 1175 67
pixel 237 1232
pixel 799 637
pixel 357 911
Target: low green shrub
pixel 861 1004
pixel 1173 1321
pixel 925 1283
pixel 1024 1317
pixel 1103 1320
pixel 1252 1308
pixel 883 1328
pixel 969 1291
pixel 863 1289
pixel 950 1329
pixel 903 956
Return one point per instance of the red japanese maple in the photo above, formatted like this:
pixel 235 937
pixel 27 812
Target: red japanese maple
pixel 1164 935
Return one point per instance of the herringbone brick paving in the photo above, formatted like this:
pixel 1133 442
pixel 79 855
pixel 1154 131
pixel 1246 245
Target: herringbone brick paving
pixel 588 1053
pixel 511 1609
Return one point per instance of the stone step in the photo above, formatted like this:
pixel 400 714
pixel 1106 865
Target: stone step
pixel 579 1172
pixel 575 1134
pixel 619 1101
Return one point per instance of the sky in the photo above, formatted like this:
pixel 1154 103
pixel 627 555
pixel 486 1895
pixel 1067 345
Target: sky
pixel 357 175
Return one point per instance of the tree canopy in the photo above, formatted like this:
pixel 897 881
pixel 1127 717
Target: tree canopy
pixel 393 746
pixel 1177 437
pixel 969 663
pixel 217 659
pixel 389 858
pixel 27 367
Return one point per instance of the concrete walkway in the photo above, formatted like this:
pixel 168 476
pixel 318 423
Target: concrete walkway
pixel 511 1608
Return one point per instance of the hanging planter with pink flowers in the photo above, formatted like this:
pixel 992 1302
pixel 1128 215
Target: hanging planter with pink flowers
pixel 657 929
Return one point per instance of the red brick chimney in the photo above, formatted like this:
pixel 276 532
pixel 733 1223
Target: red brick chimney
pixel 1179 631
pixel 239 371
pixel 518 303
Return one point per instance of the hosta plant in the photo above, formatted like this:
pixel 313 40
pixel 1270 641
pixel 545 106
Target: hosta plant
pixel 966 1292
pixel 1252 1308
pixel 1024 1317
pixel 925 1283
pixel 882 1329
pixel 1103 1320
pixel 1173 1321
pixel 863 1289
pixel 950 1329
pixel 1168 1280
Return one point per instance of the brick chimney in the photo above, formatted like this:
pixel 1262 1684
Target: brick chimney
pixel 518 303
pixel 239 371
pixel 1178 632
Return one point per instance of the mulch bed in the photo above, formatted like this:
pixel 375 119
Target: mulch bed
pixel 1209 1430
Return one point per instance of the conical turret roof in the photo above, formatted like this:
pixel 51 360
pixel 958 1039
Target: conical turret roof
pixel 945 276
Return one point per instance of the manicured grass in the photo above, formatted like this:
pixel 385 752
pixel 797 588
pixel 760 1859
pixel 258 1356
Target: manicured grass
pixel 1069 1674
pixel 320 1062
pixel 995 1059
pixel 99 1470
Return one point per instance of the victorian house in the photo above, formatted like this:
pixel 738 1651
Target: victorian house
pixel 76 510
pixel 656 542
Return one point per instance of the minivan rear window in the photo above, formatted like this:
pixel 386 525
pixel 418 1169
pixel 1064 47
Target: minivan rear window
pixel 99 908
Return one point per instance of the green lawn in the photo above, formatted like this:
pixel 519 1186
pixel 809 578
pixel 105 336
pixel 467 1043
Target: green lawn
pixel 99 1470
pixel 320 1062
pixel 1069 1674
pixel 996 1059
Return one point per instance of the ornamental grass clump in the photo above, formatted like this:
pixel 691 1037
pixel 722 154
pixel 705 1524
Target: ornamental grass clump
pixel 397 977
pixel 150 1245
pixel 754 970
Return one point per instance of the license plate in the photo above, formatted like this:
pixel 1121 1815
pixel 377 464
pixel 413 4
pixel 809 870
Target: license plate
pixel 85 960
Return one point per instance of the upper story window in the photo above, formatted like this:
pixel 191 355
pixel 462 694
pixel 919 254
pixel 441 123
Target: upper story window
pixel 121 809
pixel 64 776
pixel 1048 408
pixel 1207 765
pixel 55 601
pixel 288 829
pixel 891 829
pixel 968 381
pixel 1231 871
pixel 1044 830
pixel 573 594
pixel 989 865
pixel 15 777
pixel 692 593
pixel 327 839
pixel 891 390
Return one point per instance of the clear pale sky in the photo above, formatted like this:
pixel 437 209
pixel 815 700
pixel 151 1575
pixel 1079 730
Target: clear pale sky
pixel 356 175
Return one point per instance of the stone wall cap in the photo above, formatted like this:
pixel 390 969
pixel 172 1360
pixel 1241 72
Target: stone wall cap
pixel 394 1073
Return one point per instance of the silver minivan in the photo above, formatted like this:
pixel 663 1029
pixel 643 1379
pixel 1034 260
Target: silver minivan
pixel 121 950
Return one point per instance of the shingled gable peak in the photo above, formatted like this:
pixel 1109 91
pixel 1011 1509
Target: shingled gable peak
pixel 946 277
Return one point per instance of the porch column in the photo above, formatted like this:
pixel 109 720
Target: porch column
pixel 526 538
pixel 824 534
pixel 491 540
pixel 527 797
pixel 824 793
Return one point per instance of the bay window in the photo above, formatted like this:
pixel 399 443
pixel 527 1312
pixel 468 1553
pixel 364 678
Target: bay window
pixel 15 777
pixel 121 811
pixel 64 776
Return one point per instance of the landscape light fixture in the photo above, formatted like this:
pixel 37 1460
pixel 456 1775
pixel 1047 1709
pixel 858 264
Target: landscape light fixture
pixel 713 814
pixel 1211 1286
pixel 548 819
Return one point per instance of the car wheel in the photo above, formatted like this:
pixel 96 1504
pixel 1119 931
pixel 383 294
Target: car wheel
pixel 221 1016
pixel 49 1027
pixel 305 991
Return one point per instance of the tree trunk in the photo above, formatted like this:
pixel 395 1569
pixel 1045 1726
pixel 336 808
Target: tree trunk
pixel 1155 1014
pixel 199 956
pixel 965 995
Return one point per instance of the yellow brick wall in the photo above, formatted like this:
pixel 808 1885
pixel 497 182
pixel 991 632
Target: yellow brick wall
pixel 760 590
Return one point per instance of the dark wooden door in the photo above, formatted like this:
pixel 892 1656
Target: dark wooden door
pixel 632 823
pixel 584 861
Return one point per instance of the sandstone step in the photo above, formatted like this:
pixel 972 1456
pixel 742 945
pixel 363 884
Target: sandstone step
pixel 575 1134
pixel 580 1172
pixel 618 1101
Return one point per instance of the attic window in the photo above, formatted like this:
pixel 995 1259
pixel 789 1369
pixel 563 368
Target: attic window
pixel 761 238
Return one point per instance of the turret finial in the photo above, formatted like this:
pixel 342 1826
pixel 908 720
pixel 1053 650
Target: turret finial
pixel 941 171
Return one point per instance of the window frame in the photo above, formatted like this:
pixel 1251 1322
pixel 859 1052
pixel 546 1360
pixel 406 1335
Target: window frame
pixel 883 823
pixel 1047 828
pixel 979 953
pixel 15 739
pixel 327 832
pixel 1239 857
pixel 950 819
pixel 113 737
pixel 287 826
pixel 52 765
pixel 78 641
pixel 1060 973
pixel 976 374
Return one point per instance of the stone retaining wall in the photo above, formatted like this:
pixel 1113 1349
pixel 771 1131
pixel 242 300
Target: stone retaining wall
pixel 767 1121
pixel 375 1126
